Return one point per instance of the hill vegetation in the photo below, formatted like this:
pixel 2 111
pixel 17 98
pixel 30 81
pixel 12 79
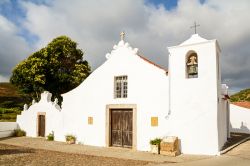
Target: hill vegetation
pixel 11 102
pixel 243 95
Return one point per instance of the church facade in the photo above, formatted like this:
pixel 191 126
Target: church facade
pixel 129 100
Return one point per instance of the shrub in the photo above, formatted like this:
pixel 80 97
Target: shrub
pixel 50 137
pixel 70 138
pixel 7 104
pixel 155 141
pixel 19 133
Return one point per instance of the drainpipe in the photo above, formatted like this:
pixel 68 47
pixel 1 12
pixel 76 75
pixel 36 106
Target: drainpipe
pixel 169 90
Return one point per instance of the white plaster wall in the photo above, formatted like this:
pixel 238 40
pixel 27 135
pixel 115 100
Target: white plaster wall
pixel 223 122
pixel 193 101
pixel 239 119
pixel 27 121
pixel 147 88
pixel 7 128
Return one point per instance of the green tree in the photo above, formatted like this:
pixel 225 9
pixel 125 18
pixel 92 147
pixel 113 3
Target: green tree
pixel 57 68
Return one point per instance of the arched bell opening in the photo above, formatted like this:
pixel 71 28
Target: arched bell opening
pixel 192 65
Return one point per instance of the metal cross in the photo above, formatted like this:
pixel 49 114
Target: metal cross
pixel 122 34
pixel 195 26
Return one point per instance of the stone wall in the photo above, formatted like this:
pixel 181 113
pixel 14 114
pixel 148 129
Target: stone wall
pixel 7 128
pixel 239 119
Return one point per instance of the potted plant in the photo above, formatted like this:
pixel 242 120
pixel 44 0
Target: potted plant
pixel 155 145
pixel 50 137
pixel 70 139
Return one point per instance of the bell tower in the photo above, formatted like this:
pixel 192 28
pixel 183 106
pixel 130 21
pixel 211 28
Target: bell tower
pixel 195 88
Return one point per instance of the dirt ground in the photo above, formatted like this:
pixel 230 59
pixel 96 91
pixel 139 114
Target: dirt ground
pixel 39 151
pixel 15 155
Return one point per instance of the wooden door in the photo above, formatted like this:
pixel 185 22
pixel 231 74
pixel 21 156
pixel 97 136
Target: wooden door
pixel 127 126
pixel 121 127
pixel 41 125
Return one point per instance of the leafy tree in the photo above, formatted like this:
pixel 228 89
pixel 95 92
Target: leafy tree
pixel 57 68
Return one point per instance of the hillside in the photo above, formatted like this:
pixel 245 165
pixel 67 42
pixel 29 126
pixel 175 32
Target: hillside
pixel 8 90
pixel 243 95
pixel 11 102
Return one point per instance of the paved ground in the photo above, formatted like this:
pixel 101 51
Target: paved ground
pixel 119 153
pixel 16 155
pixel 38 151
pixel 239 156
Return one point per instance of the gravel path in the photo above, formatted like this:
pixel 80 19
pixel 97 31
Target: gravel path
pixel 15 155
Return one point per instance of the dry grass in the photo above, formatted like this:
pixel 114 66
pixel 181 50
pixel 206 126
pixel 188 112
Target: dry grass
pixel 8 90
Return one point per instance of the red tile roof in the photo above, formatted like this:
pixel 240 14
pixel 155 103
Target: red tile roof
pixel 245 104
pixel 152 63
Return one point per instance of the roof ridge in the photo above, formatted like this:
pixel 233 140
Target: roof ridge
pixel 152 63
pixel 245 104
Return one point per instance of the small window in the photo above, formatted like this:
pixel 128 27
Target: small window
pixel 192 66
pixel 121 87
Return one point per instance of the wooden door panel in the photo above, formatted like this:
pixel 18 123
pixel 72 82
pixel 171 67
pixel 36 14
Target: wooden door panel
pixel 41 125
pixel 121 127
pixel 127 122
pixel 127 139
pixel 116 138
pixel 116 132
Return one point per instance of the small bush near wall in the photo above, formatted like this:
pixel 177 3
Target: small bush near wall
pixel 155 141
pixel 70 139
pixel 50 137
pixel 19 133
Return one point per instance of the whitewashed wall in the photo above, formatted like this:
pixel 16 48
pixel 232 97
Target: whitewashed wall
pixel 194 102
pixel 239 119
pixel 7 128
pixel 147 88
pixel 27 121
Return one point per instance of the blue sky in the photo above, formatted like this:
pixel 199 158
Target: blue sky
pixel 13 11
pixel 168 4
pixel 28 25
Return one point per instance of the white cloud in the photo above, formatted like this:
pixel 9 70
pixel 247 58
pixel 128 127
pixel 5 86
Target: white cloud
pixel 7 26
pixel 96 25
pixel 4 79
pixel 13 48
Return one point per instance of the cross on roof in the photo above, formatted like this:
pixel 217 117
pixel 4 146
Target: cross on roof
pixel 122 34
pixel 195 26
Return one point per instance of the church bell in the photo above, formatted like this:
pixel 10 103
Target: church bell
pixel 192 69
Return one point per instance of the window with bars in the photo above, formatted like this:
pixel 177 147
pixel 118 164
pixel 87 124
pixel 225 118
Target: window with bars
pixel 121 87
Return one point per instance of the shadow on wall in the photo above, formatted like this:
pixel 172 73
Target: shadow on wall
pixel 243 128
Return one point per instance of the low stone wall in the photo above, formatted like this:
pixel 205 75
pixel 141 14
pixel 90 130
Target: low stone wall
pixel 239 119
pixel 6 128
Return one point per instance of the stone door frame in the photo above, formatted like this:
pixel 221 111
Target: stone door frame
pixel 109 107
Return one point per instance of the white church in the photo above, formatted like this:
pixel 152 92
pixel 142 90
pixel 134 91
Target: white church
pixel 129 100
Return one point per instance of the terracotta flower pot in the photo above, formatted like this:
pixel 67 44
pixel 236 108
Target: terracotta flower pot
pixel 72 141
pixel 155 149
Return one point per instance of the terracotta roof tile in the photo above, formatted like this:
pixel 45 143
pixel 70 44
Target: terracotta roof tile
pixel 152 63
pixel 245 104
